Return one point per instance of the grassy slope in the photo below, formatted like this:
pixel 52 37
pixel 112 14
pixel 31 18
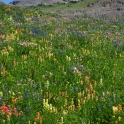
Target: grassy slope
pixel 53 8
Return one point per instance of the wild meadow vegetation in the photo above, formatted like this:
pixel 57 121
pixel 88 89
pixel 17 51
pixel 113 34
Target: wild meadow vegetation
pixel 64 6
pixel 60 70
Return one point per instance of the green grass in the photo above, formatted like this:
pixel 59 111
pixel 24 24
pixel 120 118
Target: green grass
pixel 69 6
pixel 55 71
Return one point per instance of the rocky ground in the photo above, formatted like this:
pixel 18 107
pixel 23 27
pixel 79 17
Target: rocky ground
pixel 113 9
pixel 101 10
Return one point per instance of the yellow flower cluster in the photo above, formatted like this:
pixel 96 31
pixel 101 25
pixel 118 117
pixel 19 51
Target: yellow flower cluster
pixel 5 52
pixel 48 106
pixel 1 94
pixel 68 58
pixel 117 108
pixel 10 48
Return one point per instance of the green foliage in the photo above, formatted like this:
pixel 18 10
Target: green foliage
pixel 68 70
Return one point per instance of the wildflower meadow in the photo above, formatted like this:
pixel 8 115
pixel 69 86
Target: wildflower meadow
pixel 57 69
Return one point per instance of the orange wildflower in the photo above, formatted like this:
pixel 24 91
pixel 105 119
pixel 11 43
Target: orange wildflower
pixel 14 100
pixel 18 30
pixel 1 34
pixel 78 107
pixel 63 93
pixel 35 119
pixel 91 87
pixel 119 107
pixel 15 63
pixel 41 119
pixel 88 96
pixel 3 121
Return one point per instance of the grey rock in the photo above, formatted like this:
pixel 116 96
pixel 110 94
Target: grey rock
pixel 50 2
pixel 101 10
pixel 74 1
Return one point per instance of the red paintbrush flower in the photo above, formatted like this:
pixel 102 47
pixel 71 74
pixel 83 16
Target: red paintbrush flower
pixel 4 109
pixel 1 34
pixel 18 30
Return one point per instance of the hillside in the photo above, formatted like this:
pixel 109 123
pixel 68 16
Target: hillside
pixel 100 9
pixel 35 2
